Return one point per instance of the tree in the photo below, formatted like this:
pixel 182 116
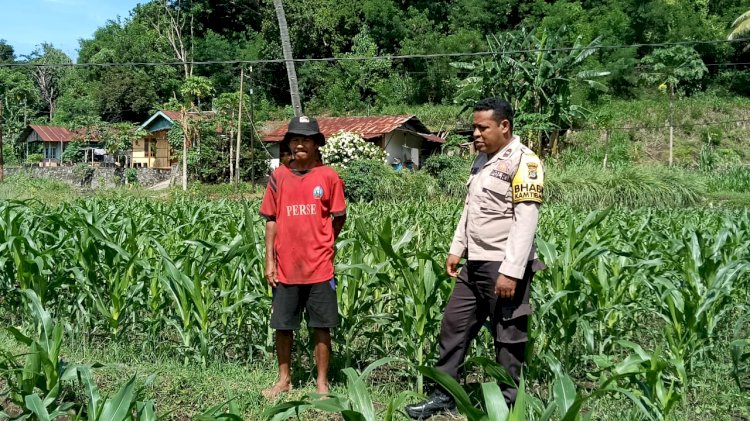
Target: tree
pixel 343 148
pixel 176 24
pixel 194 88
pixel 20 99
pixel 286 46
pixel 49 72
pixel 740 27
pixel 677 70
pixel 538 84
pixel 123 93
pixel 7 55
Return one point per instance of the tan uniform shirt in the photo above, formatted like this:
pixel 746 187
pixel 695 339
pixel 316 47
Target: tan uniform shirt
pixel 501 210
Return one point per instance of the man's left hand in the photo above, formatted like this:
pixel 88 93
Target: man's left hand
pixel 505 287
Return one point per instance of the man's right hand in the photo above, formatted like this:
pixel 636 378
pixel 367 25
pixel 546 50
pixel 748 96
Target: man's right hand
pixel 271 273
pixel 451 265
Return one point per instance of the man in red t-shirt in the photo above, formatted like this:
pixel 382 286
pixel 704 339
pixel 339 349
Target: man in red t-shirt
pixel 300 201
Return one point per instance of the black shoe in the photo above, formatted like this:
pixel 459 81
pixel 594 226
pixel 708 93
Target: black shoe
pixel 437 403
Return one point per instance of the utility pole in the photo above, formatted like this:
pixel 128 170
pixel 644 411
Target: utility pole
pixel 606 148
pixel 286 47
pixel 185 134
pixel 671 124
pixel 239 126
pixel 2 157
pixel 252 132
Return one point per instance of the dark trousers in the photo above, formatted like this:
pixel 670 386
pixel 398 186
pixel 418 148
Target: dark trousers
pixel 472 302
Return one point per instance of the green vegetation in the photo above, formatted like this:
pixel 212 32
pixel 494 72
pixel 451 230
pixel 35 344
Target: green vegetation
pixel 547 61
pixel 642 312
pixel 42 190
pixel 154 284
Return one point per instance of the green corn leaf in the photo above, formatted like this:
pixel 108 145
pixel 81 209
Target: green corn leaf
pixel 146 411
pixel 564 393
pixel 92 391
pixel 494 401
pixel 35 405
pixel 358 395
pixel 118 407
pixel 519 407
pixel 454 389
pixel 494 369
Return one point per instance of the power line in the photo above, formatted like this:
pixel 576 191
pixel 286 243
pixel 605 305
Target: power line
pixel 386 57
pixel 676 126
pixel 727 64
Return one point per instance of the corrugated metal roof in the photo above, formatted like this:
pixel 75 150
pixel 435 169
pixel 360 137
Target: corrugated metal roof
pixel 177 115
pixel 368 127
pixel 53 133
pixel 173 115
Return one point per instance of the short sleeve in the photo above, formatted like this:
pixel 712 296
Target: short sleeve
pixel 268 205
pixel 338 203
pixel 528 183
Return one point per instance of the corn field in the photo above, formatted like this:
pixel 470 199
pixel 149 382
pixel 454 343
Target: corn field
pixel 650 288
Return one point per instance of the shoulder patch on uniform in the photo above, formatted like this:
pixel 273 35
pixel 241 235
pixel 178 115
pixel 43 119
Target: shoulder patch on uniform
pixel 528 183
pixel 526 150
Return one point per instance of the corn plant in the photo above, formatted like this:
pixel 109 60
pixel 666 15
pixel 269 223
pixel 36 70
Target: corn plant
pixel 565 301
pixel 355 405
pixel 739 350
pixel 37 384
pixel 124 405
pixel 695 297
pixel 422 284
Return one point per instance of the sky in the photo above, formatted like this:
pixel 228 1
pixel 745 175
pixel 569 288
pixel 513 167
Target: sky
pixel 24 24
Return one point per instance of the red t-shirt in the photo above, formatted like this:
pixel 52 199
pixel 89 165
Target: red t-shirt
pixel 302 205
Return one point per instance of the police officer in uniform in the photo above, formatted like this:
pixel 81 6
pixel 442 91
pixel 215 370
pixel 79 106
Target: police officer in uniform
pixel 496 237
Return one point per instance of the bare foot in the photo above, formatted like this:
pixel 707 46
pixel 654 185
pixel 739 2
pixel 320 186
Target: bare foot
pixel 322 388
pixel 274 391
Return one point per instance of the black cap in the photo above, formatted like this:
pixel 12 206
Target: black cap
pixel 307 127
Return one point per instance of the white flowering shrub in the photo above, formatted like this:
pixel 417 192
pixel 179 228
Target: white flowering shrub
pixel 345 147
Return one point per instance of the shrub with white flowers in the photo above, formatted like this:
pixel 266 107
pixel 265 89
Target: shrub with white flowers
pixel 345 147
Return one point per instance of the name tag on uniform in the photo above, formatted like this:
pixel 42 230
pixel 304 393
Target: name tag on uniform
pixel 500 175
pixel 501 171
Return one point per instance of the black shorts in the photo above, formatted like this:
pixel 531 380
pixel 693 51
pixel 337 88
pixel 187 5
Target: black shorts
pixel 318 299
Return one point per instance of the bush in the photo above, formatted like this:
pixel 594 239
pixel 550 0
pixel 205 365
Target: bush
pixel 343 148
pixel 131 176
pixel 406 185
pixel 438 163
pixel 73 153
pixel 34 158
pixel 451 173
pixel 9 155
pixel 84 172
pixel 362 179
pixel 452 182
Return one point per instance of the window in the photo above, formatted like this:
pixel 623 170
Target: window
pixel 50 151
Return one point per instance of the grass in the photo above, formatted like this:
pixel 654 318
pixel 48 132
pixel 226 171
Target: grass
pixel 646 138
pixel 588 186
pixel 182 391
pixel 45 190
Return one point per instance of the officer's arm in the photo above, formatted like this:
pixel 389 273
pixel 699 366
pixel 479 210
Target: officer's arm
pixel 528 192
pixel 520 239
pixel 460 242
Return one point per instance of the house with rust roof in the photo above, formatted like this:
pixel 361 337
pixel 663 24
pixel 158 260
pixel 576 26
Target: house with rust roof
pixel 51 141
pixel 403 137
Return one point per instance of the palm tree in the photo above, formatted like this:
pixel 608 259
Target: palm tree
pixel 286 47
pixel 740 27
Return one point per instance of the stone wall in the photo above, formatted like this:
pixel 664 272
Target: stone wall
pixel 100 178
